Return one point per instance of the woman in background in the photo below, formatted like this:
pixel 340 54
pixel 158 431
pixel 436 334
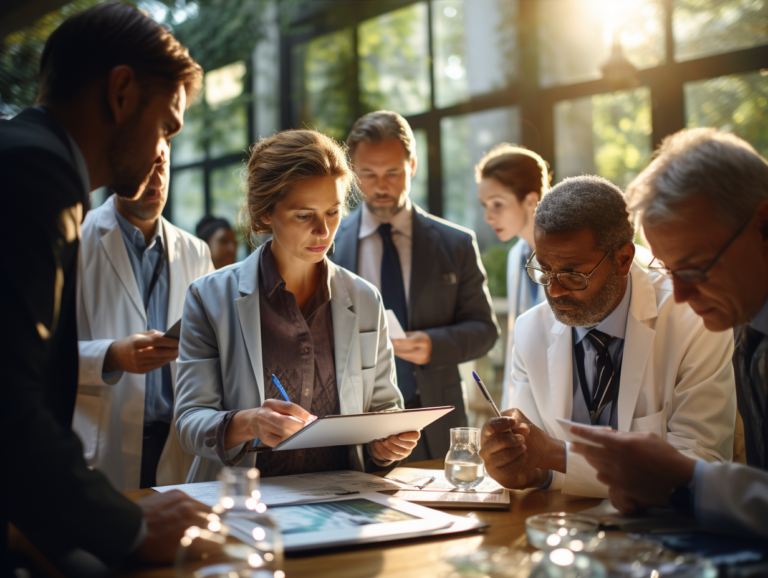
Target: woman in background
pixel 220 238
pixel 285 311
pixel 511 181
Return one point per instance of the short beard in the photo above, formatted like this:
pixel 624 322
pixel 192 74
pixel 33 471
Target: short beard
pixel 592 311
pixel 138 209
pixel 128 178
pixel 384 212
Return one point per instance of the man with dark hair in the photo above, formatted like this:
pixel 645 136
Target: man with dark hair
pixel 429 273
pixel 609 348
pixel 105 124
pixel 703 203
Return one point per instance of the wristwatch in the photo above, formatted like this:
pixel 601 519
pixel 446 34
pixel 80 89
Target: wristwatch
pixel 682 498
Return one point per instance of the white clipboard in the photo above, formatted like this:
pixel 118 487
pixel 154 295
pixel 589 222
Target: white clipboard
pixel 361 428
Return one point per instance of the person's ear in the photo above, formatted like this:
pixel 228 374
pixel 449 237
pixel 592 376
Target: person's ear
pixel 266 218
pixel 414 162
pixel 531 200
pixel 624 257
pixel 122 92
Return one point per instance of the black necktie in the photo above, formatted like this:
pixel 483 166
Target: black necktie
pixel 393 294
pixel 752 404
pixel 602 392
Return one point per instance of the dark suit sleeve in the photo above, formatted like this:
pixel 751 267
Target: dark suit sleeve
pixel 474 329
pixel 50 494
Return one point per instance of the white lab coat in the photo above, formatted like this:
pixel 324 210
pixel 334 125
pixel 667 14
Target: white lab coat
pixel 519 294
pixel 109 417
pixel 676 378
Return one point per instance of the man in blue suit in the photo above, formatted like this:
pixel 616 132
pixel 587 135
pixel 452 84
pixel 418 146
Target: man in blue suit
pixel 428 270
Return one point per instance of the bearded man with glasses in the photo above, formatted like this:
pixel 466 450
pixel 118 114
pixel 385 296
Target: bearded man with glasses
pixel 610 348
pixel 703 203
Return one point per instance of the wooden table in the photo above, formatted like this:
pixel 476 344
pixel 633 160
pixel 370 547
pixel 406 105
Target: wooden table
pixel 418 557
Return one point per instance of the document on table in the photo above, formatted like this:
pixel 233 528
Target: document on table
pixel 415 478
pixel 298 489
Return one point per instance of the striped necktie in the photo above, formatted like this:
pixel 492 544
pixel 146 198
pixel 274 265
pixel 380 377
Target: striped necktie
pixel 602 392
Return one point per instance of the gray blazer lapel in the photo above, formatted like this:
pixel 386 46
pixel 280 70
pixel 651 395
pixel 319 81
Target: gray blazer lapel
pixel 345 335
pixel 248 315
pixel 346 253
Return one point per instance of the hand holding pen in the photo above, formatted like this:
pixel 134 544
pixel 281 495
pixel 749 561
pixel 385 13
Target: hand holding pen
pixel 272 423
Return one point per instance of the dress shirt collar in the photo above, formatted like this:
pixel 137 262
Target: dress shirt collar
pixel 760 320
pixel 271 278
pixel 401 223
pixel 82 168
pixel 615 324
pixel 134 234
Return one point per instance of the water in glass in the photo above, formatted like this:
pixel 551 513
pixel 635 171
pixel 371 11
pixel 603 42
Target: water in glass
pixel 464 467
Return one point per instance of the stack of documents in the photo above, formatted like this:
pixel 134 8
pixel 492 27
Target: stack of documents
pixel 430 487
pixel 298 489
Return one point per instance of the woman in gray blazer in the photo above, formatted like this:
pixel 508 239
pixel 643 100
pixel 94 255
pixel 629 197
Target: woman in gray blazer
pixel 285 312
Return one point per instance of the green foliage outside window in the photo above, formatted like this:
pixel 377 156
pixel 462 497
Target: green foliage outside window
pixel 495 263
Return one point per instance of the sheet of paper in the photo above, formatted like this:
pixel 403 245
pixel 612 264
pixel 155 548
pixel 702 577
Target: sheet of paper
pixel 413 478
pixel 395 329
pixel 654 519
pixel 302 488
pixel 566 424
pixel 458 497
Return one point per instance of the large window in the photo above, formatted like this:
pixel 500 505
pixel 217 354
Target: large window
pixel 605 134
pixel 210 148
pixel 736 103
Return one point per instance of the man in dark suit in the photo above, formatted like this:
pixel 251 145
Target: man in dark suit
pixel 113 89
pixel 428 270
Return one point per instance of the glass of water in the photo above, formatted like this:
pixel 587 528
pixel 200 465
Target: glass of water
pixel 464 468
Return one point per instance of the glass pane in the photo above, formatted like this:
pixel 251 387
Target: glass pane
pixel 226 191
pixel 228 129
pixel 575 36
pixel 324 84
pixel 705 27
pixel 187 198
pixel 419 192
pixel 736 103
pixel 224 84
pixel 475 48
pixel 464 141
pixel 266 71
pixel 188 146
pixel 605 134
pixel 394 61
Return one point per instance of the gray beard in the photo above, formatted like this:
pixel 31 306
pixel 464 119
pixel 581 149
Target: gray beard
pixel 592 311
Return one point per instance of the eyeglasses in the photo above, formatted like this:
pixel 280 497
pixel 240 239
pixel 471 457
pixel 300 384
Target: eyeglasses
pixel 569 280
pixel 691 275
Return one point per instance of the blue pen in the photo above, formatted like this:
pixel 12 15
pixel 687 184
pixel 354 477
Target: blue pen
pixel 279 387
pixel 486 394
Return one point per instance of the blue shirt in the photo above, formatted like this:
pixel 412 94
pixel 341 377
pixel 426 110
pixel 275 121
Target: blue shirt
pixel 529 293
pixel 158 394
pixel 614 325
